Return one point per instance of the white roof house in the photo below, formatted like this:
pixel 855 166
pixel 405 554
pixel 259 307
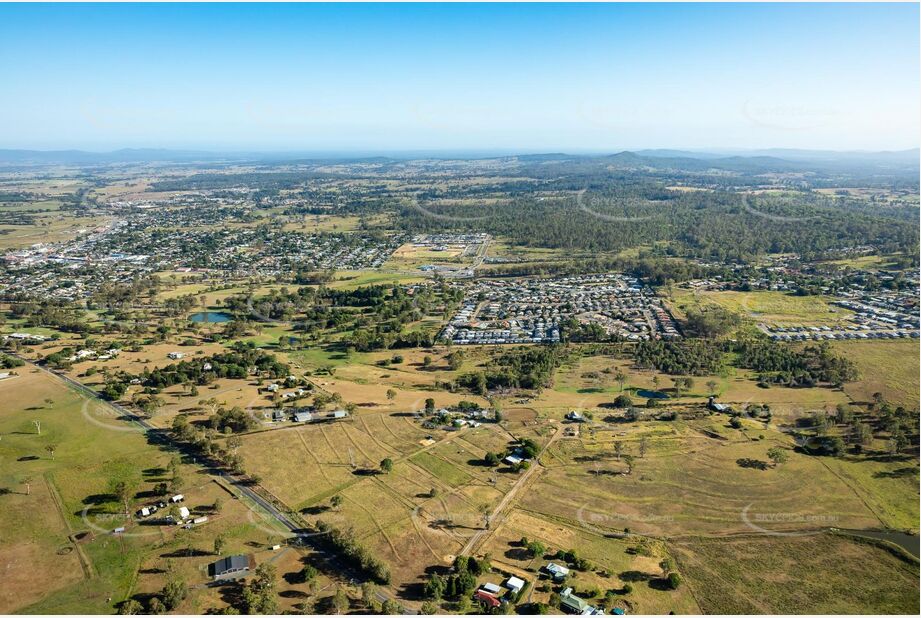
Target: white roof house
pixel 514 584
pixel 491 587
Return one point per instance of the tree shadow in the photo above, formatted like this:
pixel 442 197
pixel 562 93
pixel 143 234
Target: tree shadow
pixel 635 576
pixel 896 474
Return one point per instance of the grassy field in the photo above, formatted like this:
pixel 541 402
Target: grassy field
pixel 767 306
pixel 57 551
pixel 770 574
pixel 50 227
pixel 45 510
pixel 865 262
pixel 887 367
pixel 588 384
pixel 351 279
pixel 690 481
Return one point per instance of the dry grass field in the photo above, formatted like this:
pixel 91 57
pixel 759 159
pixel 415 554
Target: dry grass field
pixel 57 549
pixel 770 574
pixel 573 389
pixel 690 483
pixel 887 367
pixel 768 307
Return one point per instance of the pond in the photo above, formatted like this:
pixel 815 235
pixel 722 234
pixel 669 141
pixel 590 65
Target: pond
pixel 651 394
pixel 909 542
pixel 211 317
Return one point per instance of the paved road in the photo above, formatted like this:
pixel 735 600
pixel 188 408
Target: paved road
pixel 160 436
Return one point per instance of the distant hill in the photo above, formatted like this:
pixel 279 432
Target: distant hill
pixel 777 160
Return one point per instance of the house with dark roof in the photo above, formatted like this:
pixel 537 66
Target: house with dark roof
pixel 230 567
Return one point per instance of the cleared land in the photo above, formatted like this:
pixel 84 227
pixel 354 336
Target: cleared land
pixel 768 306
pixel 764 575
pixel 887 367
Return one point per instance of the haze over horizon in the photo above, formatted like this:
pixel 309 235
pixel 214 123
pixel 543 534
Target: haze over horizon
pixel 453 78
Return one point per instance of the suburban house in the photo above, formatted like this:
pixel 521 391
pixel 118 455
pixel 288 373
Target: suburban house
pixel 303 417
pixel 492 588
pixel 718 407
pixel 514 584
pixel 556 571
pixel 487 599
pixel 571 604
pixel 231 567
pixel 175 355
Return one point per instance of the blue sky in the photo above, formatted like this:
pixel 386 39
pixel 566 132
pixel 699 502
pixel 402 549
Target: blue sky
pixel 543 77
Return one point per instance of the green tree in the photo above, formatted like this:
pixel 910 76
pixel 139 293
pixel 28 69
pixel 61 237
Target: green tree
pixel 155 606
pixel 308 573
pixel 777 455
pixel 368 594
pixel 386 465
pixel 536 549
pixel 123 488
pixel 621 378
pixel 220 542
pixel 259 595
pixel 130 608
pixel 174 592
pixel 435 587
pixel 340 601
pixel 674 580
pixel 391 607
pixel 429 608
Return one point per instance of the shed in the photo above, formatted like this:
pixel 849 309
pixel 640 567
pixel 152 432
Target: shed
pixel 557 571
pixel 492 588
pixel 515 584
pixel 231 567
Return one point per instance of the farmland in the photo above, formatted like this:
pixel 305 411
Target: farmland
pixel 397 410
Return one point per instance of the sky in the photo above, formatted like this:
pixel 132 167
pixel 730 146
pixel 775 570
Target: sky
pixel 516 77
